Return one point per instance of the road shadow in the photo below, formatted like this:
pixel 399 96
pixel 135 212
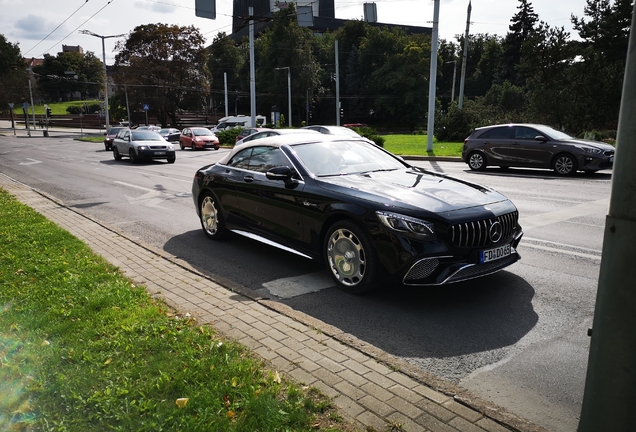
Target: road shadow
pixel 540 173
pixel 463 318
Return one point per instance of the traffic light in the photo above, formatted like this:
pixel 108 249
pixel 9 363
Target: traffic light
pixel 48 112
pixel 341 113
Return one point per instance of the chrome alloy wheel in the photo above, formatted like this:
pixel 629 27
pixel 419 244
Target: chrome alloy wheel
pixel 564 165
pixel 209 216
pixel 347 258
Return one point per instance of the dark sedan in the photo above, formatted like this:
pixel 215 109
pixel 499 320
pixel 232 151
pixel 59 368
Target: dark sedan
pixel 363 211
pixel 535 146
pixel 110 136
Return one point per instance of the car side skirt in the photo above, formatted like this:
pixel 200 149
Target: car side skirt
pixel 269 242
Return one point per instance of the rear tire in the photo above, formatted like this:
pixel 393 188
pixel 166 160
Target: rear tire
pixel 211 218
pixel 350 258
pixel 477 161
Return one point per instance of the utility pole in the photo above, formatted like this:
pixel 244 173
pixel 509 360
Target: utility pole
pixel 609 400
pixel 337 77
pixel 432 80
pixel 105 71
pixel 252 70
pixel 460 104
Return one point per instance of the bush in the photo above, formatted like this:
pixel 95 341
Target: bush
pixel 228 136
pixel 371 134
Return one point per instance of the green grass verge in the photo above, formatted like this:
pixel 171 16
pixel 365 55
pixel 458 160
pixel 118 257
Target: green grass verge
pixel 99 139
pixel 59 108
pixel 83 348
pixel 415 145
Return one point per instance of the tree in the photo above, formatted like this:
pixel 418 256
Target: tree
pixel 287 45
pixel 394 69
pixel 13 75
pixel 164 66
pixel 602 53
pixel 521 29
pixel 70 75
pixel 227 59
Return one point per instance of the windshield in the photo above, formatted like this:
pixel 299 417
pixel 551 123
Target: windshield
pixel 145 135
pixel 344 157
pixel 345 131
pixel 201 132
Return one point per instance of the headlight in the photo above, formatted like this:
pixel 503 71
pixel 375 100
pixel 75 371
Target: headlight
pixel 143 147
pixel 592 150
pixel 407 225
pixel 169 147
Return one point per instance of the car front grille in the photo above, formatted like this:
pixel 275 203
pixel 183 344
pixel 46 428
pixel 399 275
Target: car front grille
pixel 477 233
pixel 158 147
pixel 422 269
pixel 478 270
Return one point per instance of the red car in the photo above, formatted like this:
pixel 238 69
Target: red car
pixel 110 136
pixel 198 138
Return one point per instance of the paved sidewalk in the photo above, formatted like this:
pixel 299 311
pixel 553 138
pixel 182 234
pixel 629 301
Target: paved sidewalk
pixel 371 388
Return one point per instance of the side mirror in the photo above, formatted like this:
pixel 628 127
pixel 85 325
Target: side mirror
pixel 540 138
pixel 283 173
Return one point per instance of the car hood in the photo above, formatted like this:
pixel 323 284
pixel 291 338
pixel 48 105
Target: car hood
pixel 413 189
pixel 206 138
pixel 596 144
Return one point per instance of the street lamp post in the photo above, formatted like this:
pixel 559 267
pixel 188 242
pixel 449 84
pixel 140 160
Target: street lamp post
pixel 289 110
pixel 87 32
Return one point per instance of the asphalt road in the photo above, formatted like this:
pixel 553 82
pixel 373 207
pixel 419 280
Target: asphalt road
pixel 518 338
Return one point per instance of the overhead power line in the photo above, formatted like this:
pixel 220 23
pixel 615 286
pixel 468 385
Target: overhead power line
pixel 53 31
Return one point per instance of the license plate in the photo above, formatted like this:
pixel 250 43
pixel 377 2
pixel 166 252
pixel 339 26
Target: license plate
pixel 160 153
pixel 494 254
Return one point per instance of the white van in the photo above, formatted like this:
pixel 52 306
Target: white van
pixel 238 121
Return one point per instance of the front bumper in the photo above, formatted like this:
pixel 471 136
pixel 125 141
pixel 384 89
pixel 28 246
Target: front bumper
pixel 207 144
pixel 156 154
pixel 439 270
pixel 595 163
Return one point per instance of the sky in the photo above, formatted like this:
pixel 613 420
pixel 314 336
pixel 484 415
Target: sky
pixel 43 26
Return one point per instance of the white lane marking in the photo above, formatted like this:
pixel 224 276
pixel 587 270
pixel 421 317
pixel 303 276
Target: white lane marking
pixel 298 285
pixel 562 244
pixel 561 251
pixel 542 219
pixel 33 162
pixel 152 198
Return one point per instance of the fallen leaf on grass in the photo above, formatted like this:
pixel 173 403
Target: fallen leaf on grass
pixel 182 402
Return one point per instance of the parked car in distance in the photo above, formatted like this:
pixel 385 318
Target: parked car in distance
pixel 141 145
pixel 152 128
pixel 337 130
pixel 198 138
pixel 361 210
pixel 170 134
pixel 238 121
pixel 534 146
pixel 110 136
pixel 249 131
pixel 272 132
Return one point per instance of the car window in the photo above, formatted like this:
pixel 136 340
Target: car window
pixel 146 135
pixel 201 132
pixel 241 159
pixel 522 132
pixel 265 158
pixel 497 133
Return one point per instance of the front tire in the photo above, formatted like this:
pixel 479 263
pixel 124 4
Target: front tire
pixel 193 146
pixel 171 160
pixel 211 218
pixel 133 156
pixel 351 258
pixel 116 154
pixel 181 145
pixel 477 161
pixel 565 165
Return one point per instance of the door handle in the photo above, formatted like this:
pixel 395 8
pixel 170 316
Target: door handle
pixel 248 179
